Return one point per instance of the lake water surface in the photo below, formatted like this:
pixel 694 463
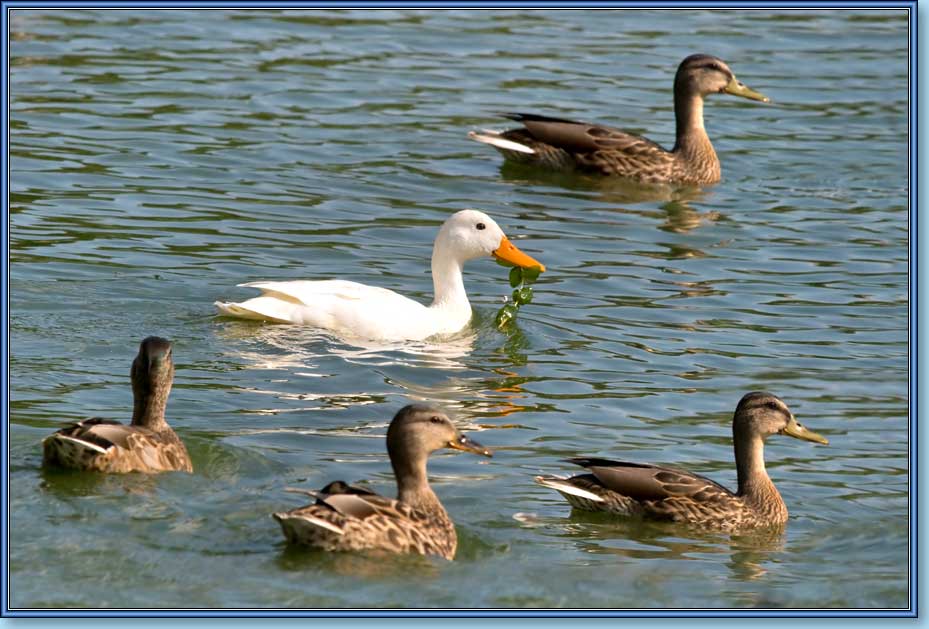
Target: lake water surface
pixel 159 158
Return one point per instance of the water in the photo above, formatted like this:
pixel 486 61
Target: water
pixel 161 158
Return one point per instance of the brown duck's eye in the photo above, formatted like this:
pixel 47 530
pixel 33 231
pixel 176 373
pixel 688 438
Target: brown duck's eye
pixel 773 406
pixel 481 226
pixel 435 419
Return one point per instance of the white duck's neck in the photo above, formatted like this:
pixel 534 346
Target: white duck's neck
pixel 448 283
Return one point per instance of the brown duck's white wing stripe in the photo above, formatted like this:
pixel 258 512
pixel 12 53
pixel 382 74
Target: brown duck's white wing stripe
pixel 321 523
pixel 294 521
pixel 79 443
pixel 564 486
pixel 95 434
pixel 495 139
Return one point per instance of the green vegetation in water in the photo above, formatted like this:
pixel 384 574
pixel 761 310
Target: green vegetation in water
pixel 520 280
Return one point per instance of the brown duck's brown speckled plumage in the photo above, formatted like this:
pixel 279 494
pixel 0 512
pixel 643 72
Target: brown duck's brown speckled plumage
pixel 348 518
pixel 661 493
pixel 146 445
pixel 560 144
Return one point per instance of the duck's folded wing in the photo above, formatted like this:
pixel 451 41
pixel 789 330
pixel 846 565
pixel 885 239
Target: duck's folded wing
pixel 360 506
pixel 98 434
pixel 582 137
pixel 650 482
pixel 311 293
pixel 334 514
pixel 338 305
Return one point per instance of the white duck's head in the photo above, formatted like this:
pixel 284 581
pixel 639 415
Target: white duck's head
pixel 471 234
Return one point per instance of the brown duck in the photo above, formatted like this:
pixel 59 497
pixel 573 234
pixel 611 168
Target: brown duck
pixel 148 444
pixel 661 493
pixel 348 518
pixel 566 145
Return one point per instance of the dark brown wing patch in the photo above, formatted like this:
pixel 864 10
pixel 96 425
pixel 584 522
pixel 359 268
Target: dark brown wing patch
pixel 649 482
pixel 583 137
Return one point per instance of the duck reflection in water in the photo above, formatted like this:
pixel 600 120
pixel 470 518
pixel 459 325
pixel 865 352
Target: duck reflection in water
pixel 269 346
pixel 596 533
pixel 669 204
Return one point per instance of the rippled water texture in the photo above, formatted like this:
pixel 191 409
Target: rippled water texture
pixel 159 158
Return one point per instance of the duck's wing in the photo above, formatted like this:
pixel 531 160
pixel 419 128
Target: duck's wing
pixel 361 506
pixel 105 445
pixel 582 137
pixel 338 514
pixel 338 502
pixel 567 145
pixel 97 434
pixel 339 305
pixel 651 483
pixel 309 293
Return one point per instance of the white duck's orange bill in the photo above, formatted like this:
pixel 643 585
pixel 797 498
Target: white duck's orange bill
pixel 508 252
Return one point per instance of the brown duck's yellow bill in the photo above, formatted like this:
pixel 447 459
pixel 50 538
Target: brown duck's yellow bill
pixel 795 429
pixel 466 444
pixel 508 252
pixel 737 88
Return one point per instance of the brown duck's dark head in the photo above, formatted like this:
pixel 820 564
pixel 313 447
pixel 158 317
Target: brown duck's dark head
pixel 705 74
pixel 152 375
pixel 419 429
pixel 764 414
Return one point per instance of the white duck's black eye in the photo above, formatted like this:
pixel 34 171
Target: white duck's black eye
pixel 481 226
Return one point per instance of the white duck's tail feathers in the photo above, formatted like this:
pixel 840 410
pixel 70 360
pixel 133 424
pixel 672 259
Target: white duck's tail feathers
pixel 494 138
pixel 566 489
pixel 257 309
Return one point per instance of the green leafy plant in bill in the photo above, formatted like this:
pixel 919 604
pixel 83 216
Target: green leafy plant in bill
pixel 520 280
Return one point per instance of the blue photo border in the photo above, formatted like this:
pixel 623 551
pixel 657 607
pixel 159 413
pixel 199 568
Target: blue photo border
pixel 913 284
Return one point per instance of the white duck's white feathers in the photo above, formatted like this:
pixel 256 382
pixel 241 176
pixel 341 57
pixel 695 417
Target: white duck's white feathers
pixel 370 312
pixel 351 308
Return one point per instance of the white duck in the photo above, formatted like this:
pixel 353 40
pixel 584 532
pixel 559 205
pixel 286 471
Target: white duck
pixel 357 310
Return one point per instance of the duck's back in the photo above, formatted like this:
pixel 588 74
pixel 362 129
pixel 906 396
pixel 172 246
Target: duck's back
pixel 352 522
pixel 560 144
pixel 108 446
